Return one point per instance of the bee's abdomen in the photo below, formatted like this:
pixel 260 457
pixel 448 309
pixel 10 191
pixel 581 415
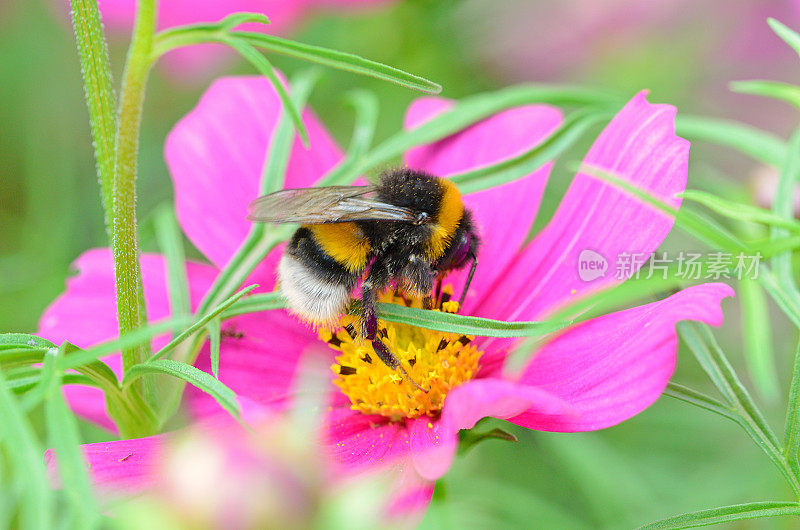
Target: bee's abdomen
pixel 316 286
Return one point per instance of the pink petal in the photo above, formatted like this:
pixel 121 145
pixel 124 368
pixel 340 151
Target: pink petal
pixel 612 367
pixel 124 467
pixel 409 497
pixel 216 154
pixel 496 138
pixel 434 442
pixel 86 314
pixel 638 145
pixel 363 445
pixel 358 442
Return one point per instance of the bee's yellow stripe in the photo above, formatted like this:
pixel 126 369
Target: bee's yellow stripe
pixel 344 242
pixel 450 213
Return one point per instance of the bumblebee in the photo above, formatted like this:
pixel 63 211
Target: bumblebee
pixel 407 231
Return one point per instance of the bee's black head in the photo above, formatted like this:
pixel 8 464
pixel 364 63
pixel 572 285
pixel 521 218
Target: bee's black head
pixel 464 246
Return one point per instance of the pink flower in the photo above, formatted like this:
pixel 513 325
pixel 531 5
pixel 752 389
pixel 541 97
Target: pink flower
pixel 269 476
pixel 590 376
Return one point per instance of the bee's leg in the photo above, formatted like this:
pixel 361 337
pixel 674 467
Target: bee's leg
pixel 437 294
pixel 369 320
pixel 469 279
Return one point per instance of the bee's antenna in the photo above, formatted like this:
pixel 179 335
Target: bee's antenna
pixel 408 378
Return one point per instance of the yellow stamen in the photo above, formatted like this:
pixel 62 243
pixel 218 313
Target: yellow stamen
pixel 436 360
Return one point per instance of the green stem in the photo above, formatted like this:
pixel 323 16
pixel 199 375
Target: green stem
pixel 99 93
pixel 125 244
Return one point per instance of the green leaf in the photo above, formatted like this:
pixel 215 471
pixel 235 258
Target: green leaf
pixel 701 400
pixel 237 19
pixel 23 339
pixel 787 303
pixel 220 32
pixel 201 323
pixel 789 36
pixel 80 358
pixel 697 225
pixel 62 434
pixel 337 59
pixel 213 328
pixel 468 439
pixel 48 376
pixel 99 93
pixel 255 303
pixel 264 67
pixel 13 357
pixel 366 107
pixel 770 89
pixel 227 23
pixel 525 163
pixel 740 211
pixel 760 145
pixel 205 382
pixel 170 242
pixel 792 424
pixel 21 380
pixel 17 438
pixel 466 325
pixel 783 207
pixel 708 353
pixel 757 335
pixel 724 514
pixel 469 111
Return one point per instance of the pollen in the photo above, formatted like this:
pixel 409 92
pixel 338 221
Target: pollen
pixel 437 361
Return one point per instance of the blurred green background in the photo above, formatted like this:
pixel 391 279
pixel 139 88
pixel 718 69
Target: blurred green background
pixel 671 459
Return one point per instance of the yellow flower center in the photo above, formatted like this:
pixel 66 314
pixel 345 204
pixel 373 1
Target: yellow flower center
pixel 435 360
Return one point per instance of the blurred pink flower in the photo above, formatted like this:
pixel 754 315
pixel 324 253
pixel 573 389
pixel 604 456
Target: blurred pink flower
pixel 668 44
pixel 590 376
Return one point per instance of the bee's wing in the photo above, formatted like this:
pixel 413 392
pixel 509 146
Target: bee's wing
pixel 331 204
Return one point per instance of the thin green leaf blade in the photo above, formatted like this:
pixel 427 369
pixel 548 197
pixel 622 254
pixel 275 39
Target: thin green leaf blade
pixel 757 335
pixel 200 379
pixel 788 36
pixel 697 225
pixel 214 332
pixel 62 434
pixel 724 514
pixel 565 136
pixel 755 143
pixel 24 339
pixel 701 400
pixel 140 336
pixel 170 242
pixel 771 89
pixel 255 303
pixel 466 325
pixel 201 323
pixel 740 211
pixel 337 59
pixel 17 437
pixel 264 67
pixel 473 109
